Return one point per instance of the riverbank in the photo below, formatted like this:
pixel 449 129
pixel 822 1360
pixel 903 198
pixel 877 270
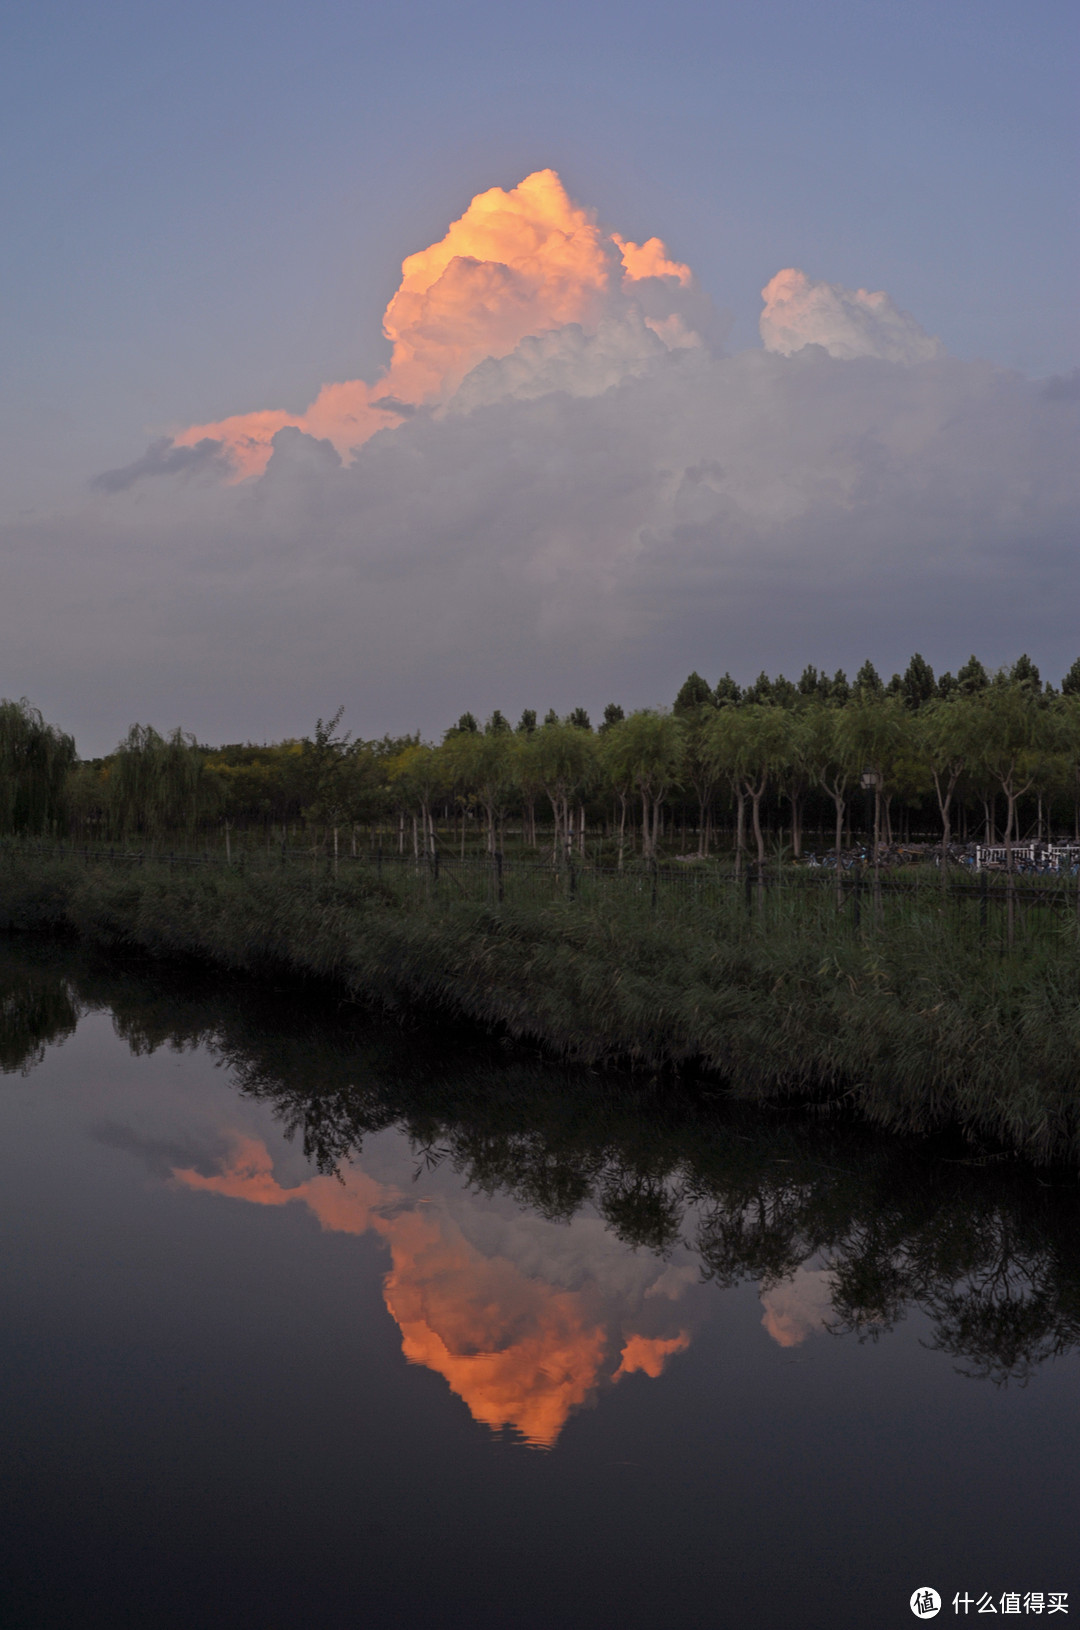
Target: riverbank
pixel 918 1028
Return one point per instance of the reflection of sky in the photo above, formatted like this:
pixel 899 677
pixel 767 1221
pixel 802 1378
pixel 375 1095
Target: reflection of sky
pixel 188 1377
pixel 525 1320
pixel 797 1307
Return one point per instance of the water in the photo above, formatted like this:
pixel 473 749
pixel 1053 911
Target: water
pixel 502 1348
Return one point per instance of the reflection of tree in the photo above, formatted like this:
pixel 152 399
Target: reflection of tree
pixel 641 1208
pixel 37 1007
pixel 989 1252
pixel 996 1295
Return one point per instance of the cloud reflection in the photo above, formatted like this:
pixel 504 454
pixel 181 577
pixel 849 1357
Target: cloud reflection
pixel 519 1347
pixel 799 1307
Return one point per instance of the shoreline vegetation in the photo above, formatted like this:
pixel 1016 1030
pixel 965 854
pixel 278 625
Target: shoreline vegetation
pixel 915 1018
pixel 524 879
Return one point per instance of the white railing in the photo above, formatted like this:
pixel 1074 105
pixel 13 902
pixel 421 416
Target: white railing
pixel 1054 857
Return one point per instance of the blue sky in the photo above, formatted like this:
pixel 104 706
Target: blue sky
pixel 206 206
pixel 206 209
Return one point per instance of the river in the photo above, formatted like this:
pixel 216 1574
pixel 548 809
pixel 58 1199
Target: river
pixel 316 1321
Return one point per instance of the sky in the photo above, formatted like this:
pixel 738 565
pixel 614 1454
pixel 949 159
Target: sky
pixel 597 473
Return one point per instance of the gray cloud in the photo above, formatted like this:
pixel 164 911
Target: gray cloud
pixel 163 457
pixel 1063 387
pixel 588 518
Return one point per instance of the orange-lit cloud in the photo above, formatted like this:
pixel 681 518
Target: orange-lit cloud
pixel 519 1351
pixel 650 1353
pixel 516 264
pixel 799 1307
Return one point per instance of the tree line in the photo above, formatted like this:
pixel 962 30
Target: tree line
pixel 995 755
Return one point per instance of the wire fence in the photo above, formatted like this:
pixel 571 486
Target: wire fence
pixel 977 907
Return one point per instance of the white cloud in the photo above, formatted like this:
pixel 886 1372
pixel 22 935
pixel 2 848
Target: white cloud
pixel 848 323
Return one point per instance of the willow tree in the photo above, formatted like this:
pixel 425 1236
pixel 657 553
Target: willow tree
pixel 644 752
pixel 695 707
pixel 875 729
pixel 753 745
pixel 831 763
pixel 565 763
pixel 419 774
pixel 484 764
pixel 1017 735
pixel 159 783
pixel 35 760
pixel 948 739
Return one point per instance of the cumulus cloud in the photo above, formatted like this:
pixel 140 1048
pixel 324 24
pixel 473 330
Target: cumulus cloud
pixel 562 490
pixel 518 263
pixel 847 323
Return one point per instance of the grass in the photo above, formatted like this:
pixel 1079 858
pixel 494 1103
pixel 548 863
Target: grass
pixel 918 1025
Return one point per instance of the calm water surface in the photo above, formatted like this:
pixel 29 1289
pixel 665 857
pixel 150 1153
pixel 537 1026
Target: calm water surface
pixel 306 1325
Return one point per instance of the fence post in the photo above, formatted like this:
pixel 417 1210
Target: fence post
pixel 750 884
pixel 498 876
pixel 655 871
pixel 856 909
pixel 378 859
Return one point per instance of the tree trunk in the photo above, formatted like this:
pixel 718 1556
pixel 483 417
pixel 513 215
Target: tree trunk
pixel 755 800
pixel 795 799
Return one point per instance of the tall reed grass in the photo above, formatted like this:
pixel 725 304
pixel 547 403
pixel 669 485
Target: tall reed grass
pixel 917 1028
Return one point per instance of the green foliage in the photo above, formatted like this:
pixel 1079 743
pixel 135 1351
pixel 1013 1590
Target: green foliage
pixel 467 725
pixel 35 761
pixel 1024 672
pixel 159 783
pixel 644 752
pixel 867 683
pixel 839 692
pixel 917 686
pixel 694 693
pixel 972 677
